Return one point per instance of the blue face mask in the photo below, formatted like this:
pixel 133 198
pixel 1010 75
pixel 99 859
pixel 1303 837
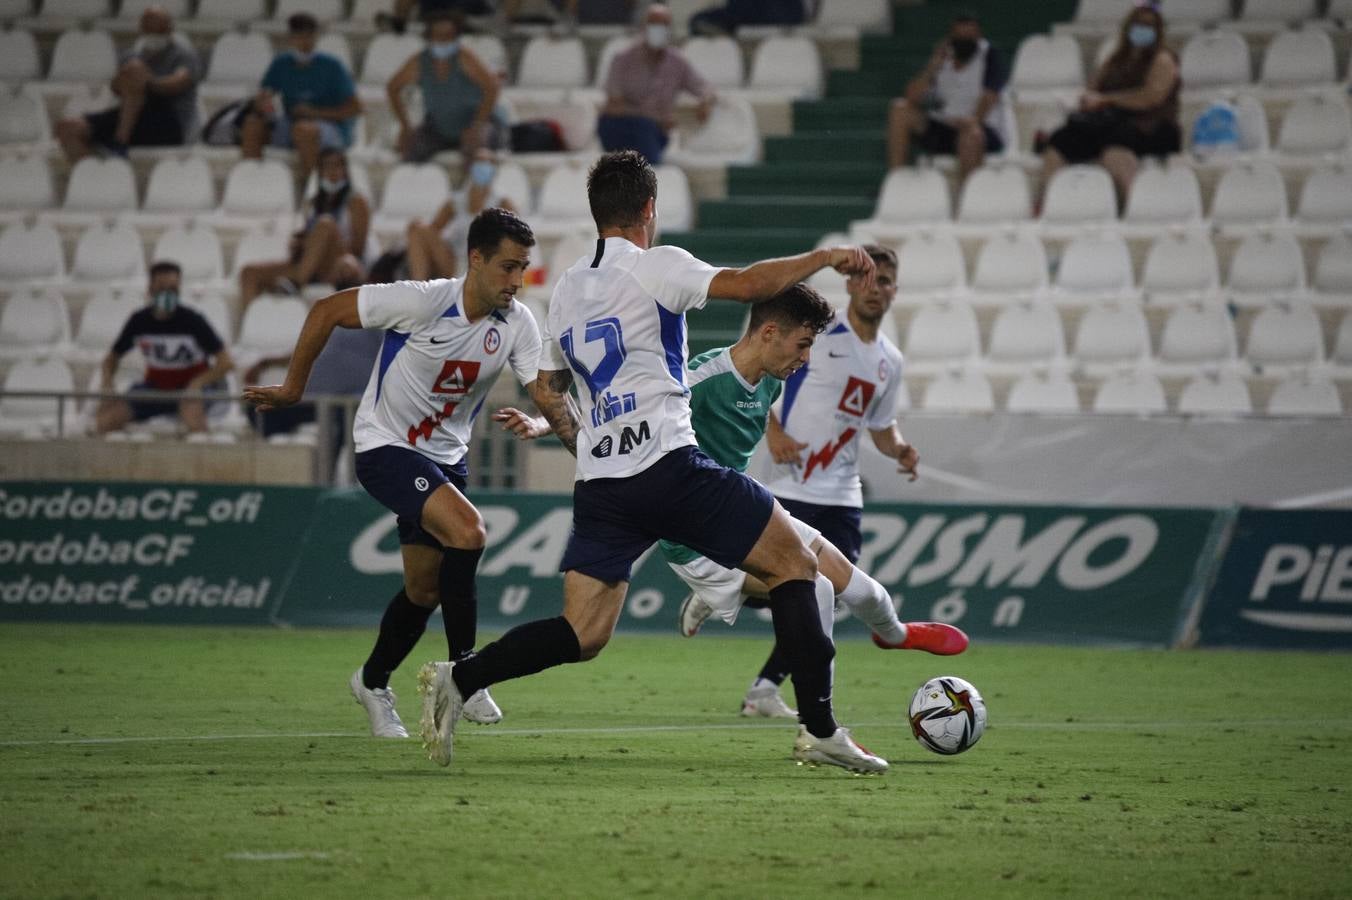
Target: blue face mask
pixel 1141 36
pixel 481 172
pixel 444 51
pixel 166 301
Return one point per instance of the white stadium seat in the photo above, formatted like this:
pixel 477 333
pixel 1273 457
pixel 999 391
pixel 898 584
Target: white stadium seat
pixel 32 324
pixel 930 262
pixel 942 334
pixel 1111 336
pixel 852 17
pixel 1299 59
pixel 1047 62
pixel 1326 197
pixel 909 197
pixel 551 64
pixel 214 308
pixel 35 416
pixel 385 55
pixel 19 59
pixel 1164 195
pixel 490 49
pixel 1043 392
pixel 1194 13
pixel 1197 334
pixel 1130 393
pixel 995 194
pixel 270 326
pixel 101 322
pixel 1095 264
pixel 129 11
pixel 1249 193
pixel 1216 394
pixel 512 183
pixel 108 254
pixel 31 253
pixel 1010 263
pixel 1267 263
pixel 100 186
pixel 413 191
pixel 262 244
pixel 257 188
pixel 26 182
pixel 196 249
pixel 83 56
pixel 180 186
pixel 1079 194
pixel 729 136
pixel 1342 345
pixel 1315 125
pixel 76 9
pixel 221 14
pixel 676 205
pixel 563 207
pixel 1213 59
pixel 1106 14
pixel 1180 264
pixel 966 392
pixel 238 61
pixel 1285 335
pixel 787 66
pixel 718 60
pixel 1278 12
pixel 1026 333
pixel 23 119
pixel 1305 395
pixel 325 11
pixel 336 45
pixel 1333 267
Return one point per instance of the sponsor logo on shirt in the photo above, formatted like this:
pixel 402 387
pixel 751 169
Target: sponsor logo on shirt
pixel 170 351
pixel 457 377
pixel 492 340
pixel 856 396
pixel 822 459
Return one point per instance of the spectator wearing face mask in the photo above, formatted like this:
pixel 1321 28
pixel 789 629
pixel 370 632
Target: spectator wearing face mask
pixel 459 93
pixel 1130 110
pixel 431 246
pixel 307 101
pixel 329 248
pixel 182 352
pixel 956 105
pixel 156 86
pixel 641 90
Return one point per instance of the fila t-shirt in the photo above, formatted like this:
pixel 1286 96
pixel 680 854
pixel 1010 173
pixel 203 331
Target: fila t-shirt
pixel 848 387
pixel 176 349
pixel 617 320
pixel 435 367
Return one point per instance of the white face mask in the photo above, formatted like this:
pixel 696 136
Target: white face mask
pixel 657 36
pixel 152 43
pixel 444 50
pixel 332 186
pixel 301 56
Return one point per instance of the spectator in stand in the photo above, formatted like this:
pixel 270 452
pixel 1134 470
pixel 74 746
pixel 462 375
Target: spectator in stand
pixel 459 94
pixel 1130 110
pixel 432 246
pixel 308 101
pixel 954 106
pixel 726 19
pixel 182 353
pixel 329 248
pixel 641 90
pixel 156 85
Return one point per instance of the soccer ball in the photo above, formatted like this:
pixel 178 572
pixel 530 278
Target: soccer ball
pixel 947 715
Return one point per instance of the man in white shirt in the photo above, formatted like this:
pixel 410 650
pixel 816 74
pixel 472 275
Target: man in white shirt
pixel 445 344
pixel 616 323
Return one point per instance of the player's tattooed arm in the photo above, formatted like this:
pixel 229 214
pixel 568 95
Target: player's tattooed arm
pixel 549 391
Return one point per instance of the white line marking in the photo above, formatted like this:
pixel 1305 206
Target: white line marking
pixel 493 731
pixel 271 857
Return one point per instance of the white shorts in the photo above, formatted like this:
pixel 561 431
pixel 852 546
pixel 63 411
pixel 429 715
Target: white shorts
pixel 721 587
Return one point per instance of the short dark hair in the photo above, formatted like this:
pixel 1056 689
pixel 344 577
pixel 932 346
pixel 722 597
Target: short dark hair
pixel 302 23
pixel 618 186
pixel 455 17
pixel 881 255
pixel 165 267
pixel 492 225
pixel 798 305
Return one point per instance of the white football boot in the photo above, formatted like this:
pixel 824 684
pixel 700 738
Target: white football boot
pixel 441 708
pixel 693 614
pixel 766 702
pixel 840 749
pixel 481 710
pixel 379 704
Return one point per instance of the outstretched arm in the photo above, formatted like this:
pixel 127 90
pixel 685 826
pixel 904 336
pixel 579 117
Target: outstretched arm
pixel 335 310
pixel 763 280
pixel 549 391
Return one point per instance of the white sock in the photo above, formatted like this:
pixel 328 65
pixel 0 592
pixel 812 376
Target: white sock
pixel 870 601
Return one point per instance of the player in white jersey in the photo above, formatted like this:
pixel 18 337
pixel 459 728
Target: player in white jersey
pixel 446 342
pixel 616 323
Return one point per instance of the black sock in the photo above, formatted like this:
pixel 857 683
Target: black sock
pixel 401 626
pixel 524 650
pixel 799 636
pixel 776 668
pixel 459 599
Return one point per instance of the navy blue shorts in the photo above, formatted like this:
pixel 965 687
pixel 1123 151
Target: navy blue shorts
pixel 684 497
pixel 402 480
pixel 838 524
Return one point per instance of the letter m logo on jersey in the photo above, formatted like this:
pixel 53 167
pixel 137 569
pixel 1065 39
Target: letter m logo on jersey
pixel 856 397
pixel 457 377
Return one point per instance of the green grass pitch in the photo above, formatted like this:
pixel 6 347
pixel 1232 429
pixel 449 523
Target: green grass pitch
pixel 169 762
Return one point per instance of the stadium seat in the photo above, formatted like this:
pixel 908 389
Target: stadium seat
pixel 35 416
pixel 1104 15
pixel 1254 133
pixel 335 44
pixel 23 120
pixel 109 254
pixel 19 60
pixel 1297 59
pixel 1216 394
pixel 563 206
pixel 31 253
pixel 180 186
pixel 83 56
pixel 850 18
pixel 1178 265
pixel 219 15
pixel 76 10
pixel 1197 334
pixel 512 182
pixel 1164 195
pixel 1130 393
pixel 1078 195
pixel 1010 263
pixel 238 61
pixel 412 191
pixel 1249 193
pixel 963 392
pixel 1326 197
pixel 1095 264
pixel 385 55
pixel 1266 263
pixel 214 308
pixel 567 251
pixel 995 195
pixel 718 60
pixel 1315 125
pixel 1025 334
pixel 1283 336
pixel 929 262
pixel 1043 392
pixel 326 11
pixel 787 67
pixel 1277 14
pixel 1194 13
pixel 33 324
pixel 100 186
pixel 1333 267
pixel 1305 395
pixel 1111 336
pixel 129 11
pixel 549 67
pixel 269 327
pixel 728 137
pixel 196 249
pixel 26 183
pixel 909 197
pixel 676 205
pixel 1341 357
pixel 491 51
pixel 101 322
pixel 266 243
pixel 942 334
pixel 1213 59
pixel 258 188
pixel 1047 63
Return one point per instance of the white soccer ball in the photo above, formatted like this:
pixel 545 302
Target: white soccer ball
pixel 947 715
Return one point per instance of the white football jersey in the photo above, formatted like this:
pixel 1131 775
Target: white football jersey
pixel 846 388
pixel 617 320
pixel 435 367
